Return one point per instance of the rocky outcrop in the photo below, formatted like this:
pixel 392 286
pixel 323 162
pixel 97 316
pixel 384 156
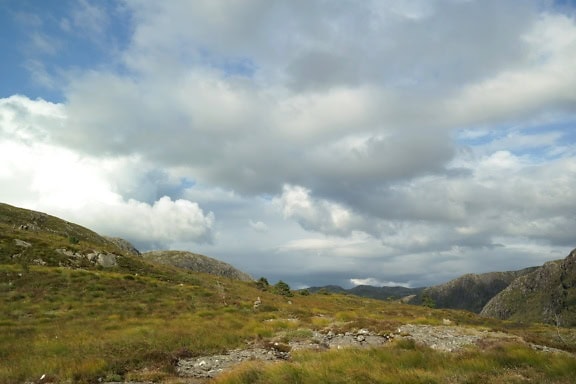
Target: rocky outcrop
pixel 124 245
pixel 197 263
pixel 548 294
pixel 470 292
pixel 204 367
pixel 103 259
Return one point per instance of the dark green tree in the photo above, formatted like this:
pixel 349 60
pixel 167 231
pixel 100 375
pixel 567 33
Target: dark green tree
pixel 427 301
pixel 281 288
pixel 262 284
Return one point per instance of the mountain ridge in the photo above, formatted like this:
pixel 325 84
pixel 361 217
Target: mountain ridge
pixel 470 291
pixel 30 238
pixel 547 294
pixel 196 262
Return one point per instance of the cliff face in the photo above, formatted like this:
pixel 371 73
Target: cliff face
pixel 470 292
pixel 197 263
pixel 547 295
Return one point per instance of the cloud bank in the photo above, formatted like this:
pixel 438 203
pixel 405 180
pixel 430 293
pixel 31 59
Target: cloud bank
pixel 311 141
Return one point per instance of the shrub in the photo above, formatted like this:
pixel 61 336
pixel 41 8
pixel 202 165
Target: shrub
pixel 281 288
pixel 262 284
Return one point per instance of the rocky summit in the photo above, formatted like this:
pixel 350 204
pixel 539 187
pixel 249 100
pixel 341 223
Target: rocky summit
pixel 547 294
pixel 195 262
pixel 471 291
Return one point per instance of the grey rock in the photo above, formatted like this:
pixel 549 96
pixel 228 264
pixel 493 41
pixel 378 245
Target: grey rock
pixel 107 260
pixel 22 243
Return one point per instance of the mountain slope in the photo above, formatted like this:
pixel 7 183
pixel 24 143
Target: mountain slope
pixel 64 318
pixel 195 262
pixel 471 291
pixel 548 294
pixel 34 238
pixel 30 238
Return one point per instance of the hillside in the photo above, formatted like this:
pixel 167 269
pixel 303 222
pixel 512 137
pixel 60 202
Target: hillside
pixel 69 316
pixel 547 294
pixel 35 238
pixel 470 292
pixel 195 262
pixel 30 238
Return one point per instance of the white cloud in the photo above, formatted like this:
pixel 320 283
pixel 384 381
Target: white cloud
pixel 381 139
pixel 317 214
pixel 258 226
pixel 41 176
pixel 89 18
pixel 379 283
pixel 545 81
pixel 152 226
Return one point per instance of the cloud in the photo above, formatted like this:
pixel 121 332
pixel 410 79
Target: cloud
pixel 258 226
pixel 379 283
pixel 320 215
pixel 154 226
pixel 87 190
pixel 403 141
pixel 89 18
pixel 543 82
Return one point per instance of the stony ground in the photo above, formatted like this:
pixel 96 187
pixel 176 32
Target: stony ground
pixel 210 366
pixel 446 338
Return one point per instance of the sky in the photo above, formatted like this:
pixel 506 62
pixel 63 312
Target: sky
pixel 384 142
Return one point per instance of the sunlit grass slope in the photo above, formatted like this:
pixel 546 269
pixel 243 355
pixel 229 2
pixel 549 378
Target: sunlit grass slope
pixel 404 362
pixel 86 326
pixel 75 321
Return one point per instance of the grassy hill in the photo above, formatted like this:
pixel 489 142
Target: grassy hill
pixel 86 326
pixel 68 319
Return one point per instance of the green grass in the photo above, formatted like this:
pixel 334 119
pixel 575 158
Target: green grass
pixel 82 325
pixel 86 325
pixel 407 363
pixel 77 322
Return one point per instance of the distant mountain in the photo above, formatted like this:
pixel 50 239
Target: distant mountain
pixel 470 292
pixel 547 294
pixel 380 293
pixel 327 288
pixel 197 263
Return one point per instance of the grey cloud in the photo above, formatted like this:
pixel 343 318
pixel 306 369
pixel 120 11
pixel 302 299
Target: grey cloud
pixel 355 106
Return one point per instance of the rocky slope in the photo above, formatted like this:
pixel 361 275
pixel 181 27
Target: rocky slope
pixel 197 263
pixel 34 238
pixel 470 292
pixel 547 294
